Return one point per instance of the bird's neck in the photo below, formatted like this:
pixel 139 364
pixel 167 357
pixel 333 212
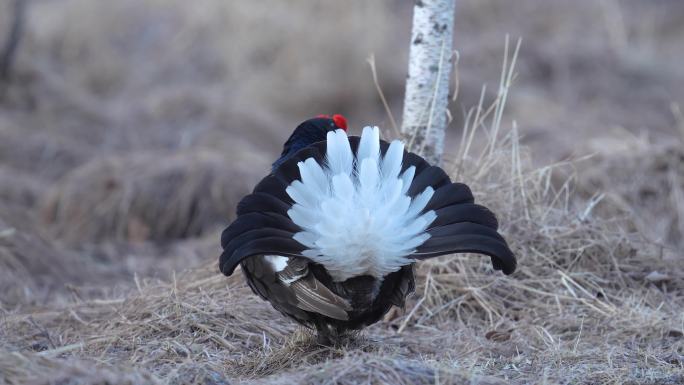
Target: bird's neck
pixel 302 137
pixel 289 150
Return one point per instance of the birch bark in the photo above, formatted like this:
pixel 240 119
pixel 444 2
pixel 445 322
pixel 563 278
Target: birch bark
pixel 427 85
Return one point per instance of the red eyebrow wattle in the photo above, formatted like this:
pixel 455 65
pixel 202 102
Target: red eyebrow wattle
pixel 340 121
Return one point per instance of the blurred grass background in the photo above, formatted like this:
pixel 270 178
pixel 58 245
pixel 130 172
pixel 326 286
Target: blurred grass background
pixel 139 75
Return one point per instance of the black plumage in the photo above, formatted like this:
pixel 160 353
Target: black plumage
pixel 261 240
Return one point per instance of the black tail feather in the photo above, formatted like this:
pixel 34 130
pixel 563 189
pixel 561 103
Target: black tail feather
pixel 261 202
pixel 462 226
pixel 277 245
pixel 252 221
pixel 432 176
pixel 272 186
pixel 451 194
pixel 411 159
pixel 465 212
pixel 502 257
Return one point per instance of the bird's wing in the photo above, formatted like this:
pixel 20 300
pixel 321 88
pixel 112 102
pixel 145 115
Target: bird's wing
pixel 312 295
pixel 287 282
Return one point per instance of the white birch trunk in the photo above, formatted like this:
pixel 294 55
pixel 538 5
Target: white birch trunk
pixel 427 86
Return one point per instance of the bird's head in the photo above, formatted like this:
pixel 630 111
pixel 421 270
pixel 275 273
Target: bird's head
pixel 320 126
pixel 309 132
pixel 338 120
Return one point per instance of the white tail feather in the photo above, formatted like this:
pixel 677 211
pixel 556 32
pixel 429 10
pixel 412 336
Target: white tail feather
pixel 369 147
pixel 407 178
pixel 354 212
pixel 339 157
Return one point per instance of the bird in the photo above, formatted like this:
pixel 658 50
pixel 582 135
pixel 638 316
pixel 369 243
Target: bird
pixel 331 235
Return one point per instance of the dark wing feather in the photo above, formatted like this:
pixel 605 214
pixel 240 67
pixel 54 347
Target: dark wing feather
pixel 263 281
pixel 294 289
pixel 295 269
pixel 315 297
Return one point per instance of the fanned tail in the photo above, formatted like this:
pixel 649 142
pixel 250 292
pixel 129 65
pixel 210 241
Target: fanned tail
pixel 354 211
pixel 361 206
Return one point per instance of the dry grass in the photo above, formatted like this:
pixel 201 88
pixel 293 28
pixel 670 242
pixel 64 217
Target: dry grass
pixel 165 74
pixel 30 266
pixel 19 188
pixel 584 307
pixel 644 181
pixel 42 154
pixel 150 196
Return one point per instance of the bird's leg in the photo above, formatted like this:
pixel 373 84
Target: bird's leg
pixel 323 336
pixel 338 334
pixel 331 335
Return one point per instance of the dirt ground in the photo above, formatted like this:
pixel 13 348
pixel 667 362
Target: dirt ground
pixel 130 129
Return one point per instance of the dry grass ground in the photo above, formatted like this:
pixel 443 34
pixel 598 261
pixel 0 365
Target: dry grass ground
pixel 131 128
pixel 585 307
pixel 149 196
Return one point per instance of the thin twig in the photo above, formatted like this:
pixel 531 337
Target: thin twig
pixel 13 38
pixel 388 111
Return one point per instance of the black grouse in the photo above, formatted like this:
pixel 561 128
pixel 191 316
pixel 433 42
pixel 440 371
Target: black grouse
pixel 331 235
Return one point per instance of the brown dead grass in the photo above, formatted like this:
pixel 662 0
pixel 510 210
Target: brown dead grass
pixel 645 182
pixel 19 189
pixel 584 307
pixel 41 154
pixel 150 196
pixel 30 265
